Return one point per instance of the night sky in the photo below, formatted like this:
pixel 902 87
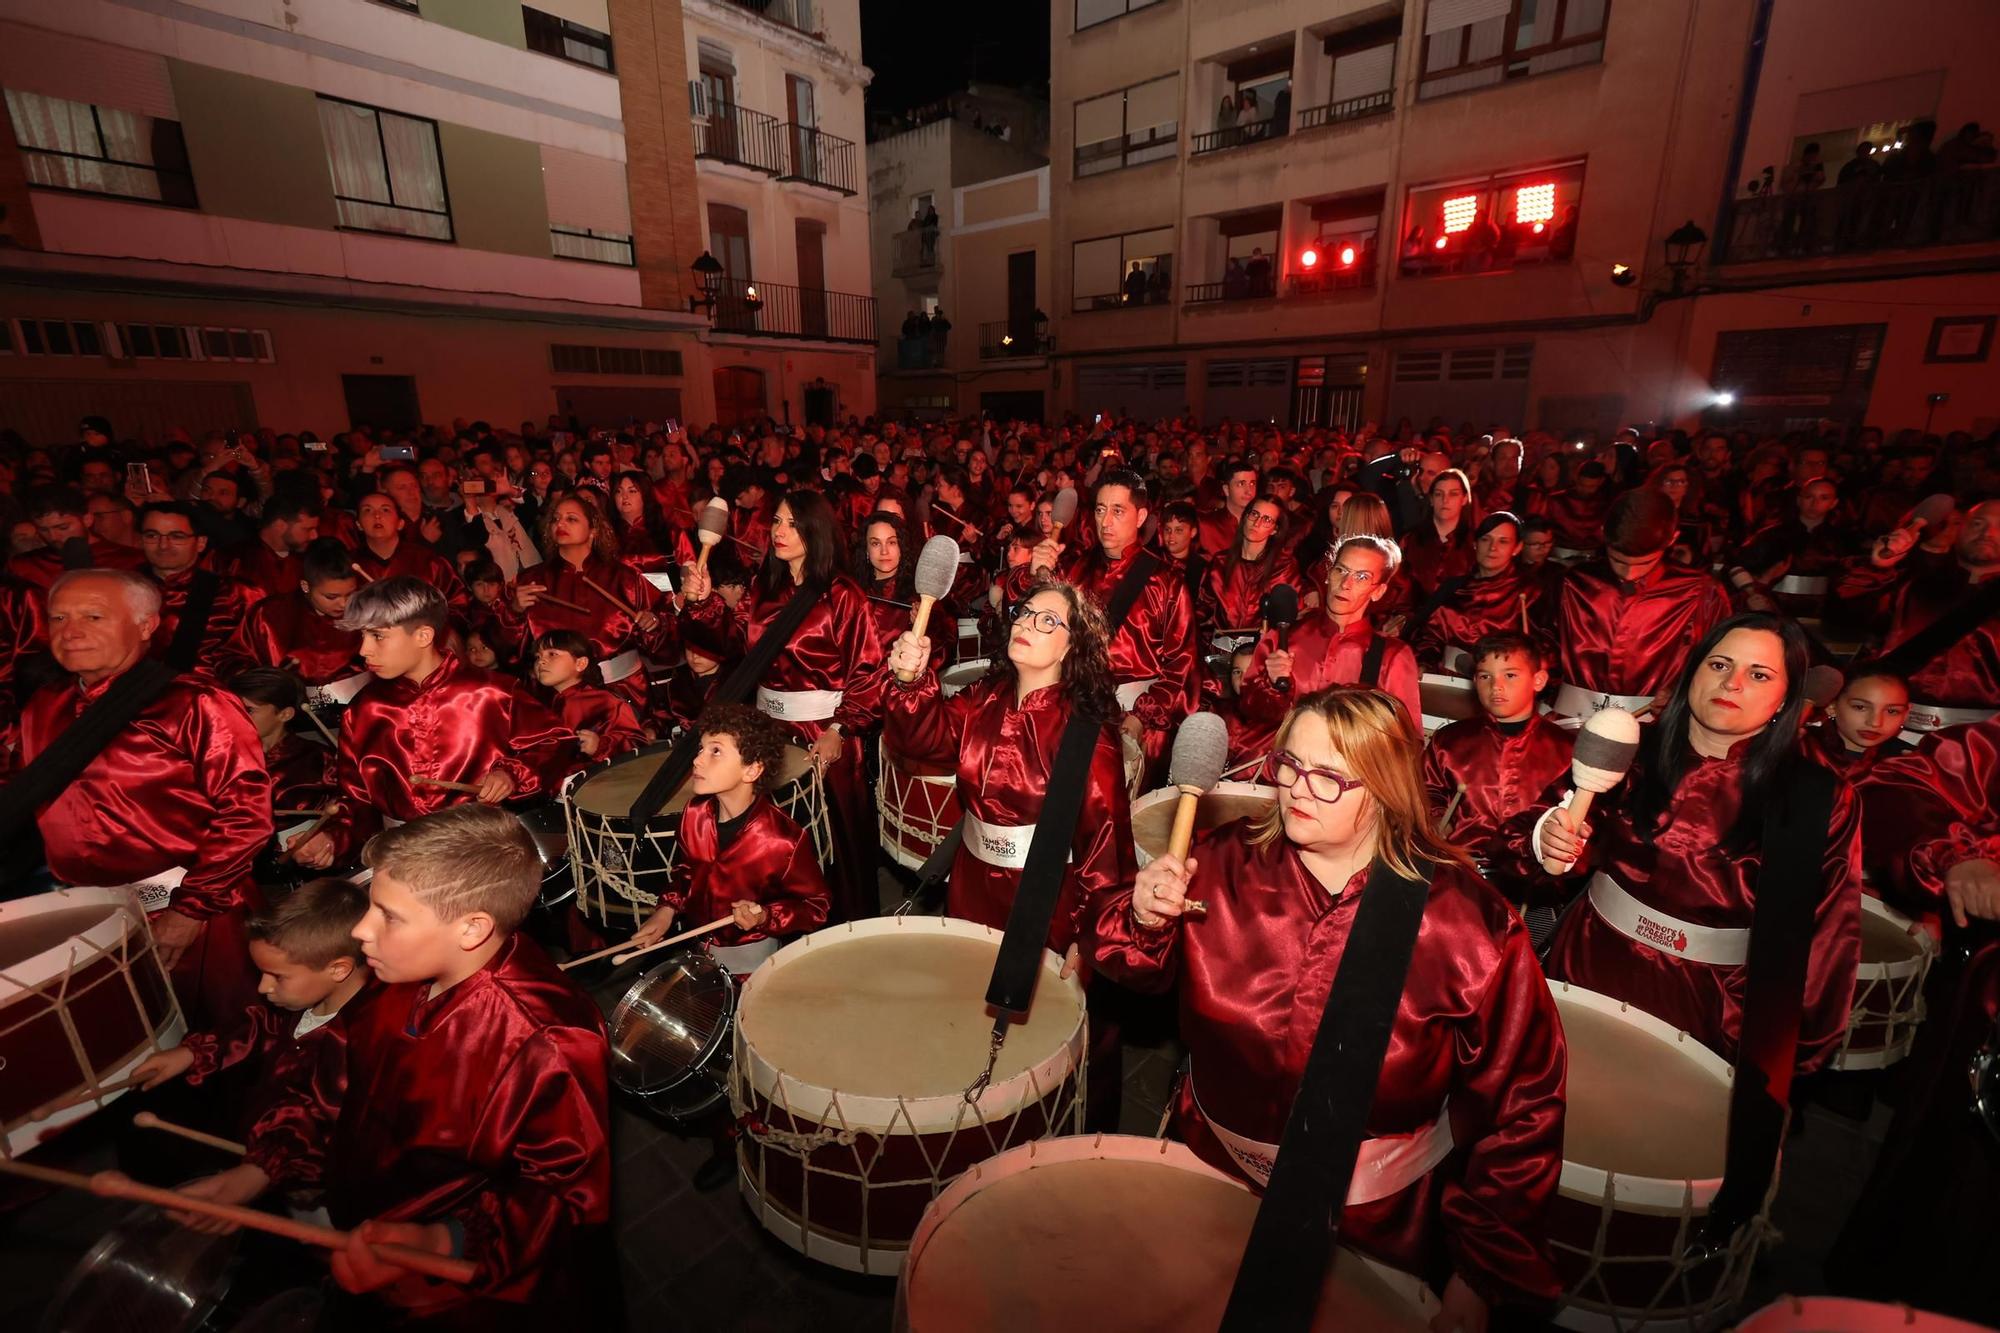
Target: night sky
pixel 922 51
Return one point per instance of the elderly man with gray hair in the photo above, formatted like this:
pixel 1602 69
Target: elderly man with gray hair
pixel 177 802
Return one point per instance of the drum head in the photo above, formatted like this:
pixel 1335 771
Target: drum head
pixel 1886 938
pixel 610 794
pixel 671 1023
pixel 1153 813
pixel 1640 1102
pixel 145 1273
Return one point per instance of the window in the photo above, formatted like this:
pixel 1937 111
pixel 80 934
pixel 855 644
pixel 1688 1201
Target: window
pixel 1111 271
pixel 577 359
pixel 156 342
pixel 1461 364
pixel 729 240
pixel 61 337
pixel 1492 223
pixel 599 247
pixel 1090 13
pixel 235 345
pixel 100 150
pixel 1480 43
pixel 564 40
pixel 1129 127
pixel 388 174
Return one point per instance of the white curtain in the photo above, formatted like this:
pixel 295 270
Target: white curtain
pixel 353 152
pixel 62 126
pixel 410 177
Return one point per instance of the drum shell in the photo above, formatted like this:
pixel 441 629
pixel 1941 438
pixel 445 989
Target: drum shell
pixel 1888 990
pixel 1446 699
pixel 700 1080
pixel 146 1272
pixel 912 803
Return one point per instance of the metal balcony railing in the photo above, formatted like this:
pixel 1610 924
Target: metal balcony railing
pixel 1001 338
pixel 738 135
pixel 1236 287
pixel 920 353
pixel 798 15
pixel 1333 278
pixel 1861 216
pixel 794 312
pixel 1235 136
pixel 818 158
pixel 915 252
pixel 1353 108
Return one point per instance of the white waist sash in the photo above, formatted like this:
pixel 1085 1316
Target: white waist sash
pixel 1719 946
pixel 1575 701
pixel 660 579
pixel 616 668
pixel 798 705
pixel 968 627
pixel 156 892
pixel 337 693
pixel 1384 1166
pixel 1004 846
pixel 1803 585
pixel 1129 693
pixel 740 960
pixel 1924 718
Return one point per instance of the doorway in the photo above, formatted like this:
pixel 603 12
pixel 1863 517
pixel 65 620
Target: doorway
pixel 1021 299
pixel 739 394
pixel 811 241
pixel 805 143
pixel 821 401
pixel 382 401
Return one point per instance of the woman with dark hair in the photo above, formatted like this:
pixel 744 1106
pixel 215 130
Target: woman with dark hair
pixel 1323 535
pixel 1495 597
pixel 1674 852
pixel 1233 588
pixel 1000 736
pixel 885 564
pixel 646 540
pixel 823 683
pixel 1439 547
pixel 1465 1133
pixel 1551 475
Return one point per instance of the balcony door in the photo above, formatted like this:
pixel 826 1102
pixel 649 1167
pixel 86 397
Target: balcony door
pixel 729 242
pixel 811 240
pixel 1021 298
pixel 805 145
pixel 718 94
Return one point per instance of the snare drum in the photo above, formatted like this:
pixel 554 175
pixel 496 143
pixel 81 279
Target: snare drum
pixel 548 826
pixel 670 1035
pixel 1041 1237
pixel 955 678
pixel 620 872
pixel 1446 699
pixel 915 808
pixel 83 999
pixel 1837 1314
pixel 1644 1136
pixel 1153 813
pixel 146 1272
pixel 1896 956
pixel 854 1047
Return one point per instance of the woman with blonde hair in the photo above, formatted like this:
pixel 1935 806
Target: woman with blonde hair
pixel 1464 1136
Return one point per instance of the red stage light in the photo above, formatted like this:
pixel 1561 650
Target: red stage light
pixel 1540 227
pixel 1440 242
pixel 1347 256
pixel 1459 212
pixel 1535 203
pixel 1310 258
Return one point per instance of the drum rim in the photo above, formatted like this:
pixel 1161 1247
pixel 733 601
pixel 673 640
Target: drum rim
pixel 1845 1309
pixel 1446 679
pixel 103 937
pixel 1901 968
pixel 1588 1184
pixel 715 1041
pixel 1165 795
pixel 88 1269
pixel 985 664
pixel 1071 1148
pixel 937 1112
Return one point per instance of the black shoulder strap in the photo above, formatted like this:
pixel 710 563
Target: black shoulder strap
pixel 70 753
pixel 1126 595
pixel 734 689
pixel 1012 987
pixel 1371 661
pixel 1789 883
pixel 1291 1243
pixel 76 554
pixel 1941 635
pixel 203 588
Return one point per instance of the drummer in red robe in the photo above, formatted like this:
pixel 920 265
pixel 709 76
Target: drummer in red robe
pixel 428 716
pixel 1336 645
pixel 1155 668
pixel 1465 1134
pixel 885 566
pixel 1863 723
pixel 173 550
pixel 1578 515
pixel 178 804
pixel 823 683
pixel 1624 621
pixel 603 721
pixel 386 552
pixel 1673 853
pixel 297 764
pixel 63 521
pixel 287 525
pixel 1000 736
pixel 1234 584
pixel 467 1111
pixel 1496 597
pixel 300 630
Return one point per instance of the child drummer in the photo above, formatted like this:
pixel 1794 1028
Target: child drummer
pixel 468 1111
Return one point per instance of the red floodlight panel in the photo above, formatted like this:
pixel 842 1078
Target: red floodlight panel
pixel 1459 213
pixel 1347 256
pixel 1310 258
pixel 1535 203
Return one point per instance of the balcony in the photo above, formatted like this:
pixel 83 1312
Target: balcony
pixel 915 253
pixel 920 353
pixel 1235 136
pixel 1863 217
pixel 818 158
pixel 1353 108
pixel 784 311
pixel 1128 150
pixel 1254 285
pixel 739 136
pixel 798 15
pixel 1002 339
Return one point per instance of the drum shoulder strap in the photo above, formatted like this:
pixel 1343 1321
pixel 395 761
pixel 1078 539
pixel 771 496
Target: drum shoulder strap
pixel 1943 634
pixel 82 741
pixel 1291 1244
pixel 1371 661
pixel 204 586
pixel 1126 595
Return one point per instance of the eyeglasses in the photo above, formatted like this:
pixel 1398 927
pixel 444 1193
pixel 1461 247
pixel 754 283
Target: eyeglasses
pixel 1324 784
pixel 1048 622
pixel 168 538
pixel 1360 578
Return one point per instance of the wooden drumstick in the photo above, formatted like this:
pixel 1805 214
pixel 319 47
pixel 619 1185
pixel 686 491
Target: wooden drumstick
pixel 310 829
pixel 324 730
pixel 111 1185
pixel 75 1099
pixel 619 602
pixel 1603 754
pixel 147 1120
pixel 1444 823
pixel 442 785
pixel 710 528
pixel 937 569
pixel 362 574
pixel 630 954
pixel 1201 749
pixel 553 600
pixel 1524 615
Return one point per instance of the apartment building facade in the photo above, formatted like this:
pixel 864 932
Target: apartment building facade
pixel 1337 211
pixel 383 211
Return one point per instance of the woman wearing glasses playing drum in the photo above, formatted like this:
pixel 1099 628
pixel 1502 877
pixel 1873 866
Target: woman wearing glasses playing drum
pixel 1001 735
pixel 1464 1145
pixel 1674 852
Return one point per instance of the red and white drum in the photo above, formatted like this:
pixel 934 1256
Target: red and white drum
pixel 1896 956
pixel 83 999
pixel 854 1048
pixel 915 808
pixel 1644 1137
pixel 1446 699
pixel 1835 1314
pixel 1044 1237
pixel 1153 813
pixel 955 678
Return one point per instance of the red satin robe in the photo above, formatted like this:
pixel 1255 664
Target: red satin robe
pixel 233 602
pixel 485 1108
pixel 300 776
pixel 1476 1030
pixel 1927 810
pixel 1624 638
pixel 261 567
pixel 1003 754
pixel 266 1035
pixel 1503 775
pixel 1577 520
pixel 1964 675
pixel 1322 655
pixel 24 633
pixel 40 568
pixel 458 724
pixel 644 555
pixel 1428 559
pixel 609 629
pixel 416 558
pixel 1466 609
pixel 1218 530
pixel 609 714
pixel 770 861
pixel 285 629
pixel 1683 871
pixel 678 700
pixel 1232 592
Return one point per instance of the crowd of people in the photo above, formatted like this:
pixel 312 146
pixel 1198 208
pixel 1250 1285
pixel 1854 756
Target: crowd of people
pixel 377 643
